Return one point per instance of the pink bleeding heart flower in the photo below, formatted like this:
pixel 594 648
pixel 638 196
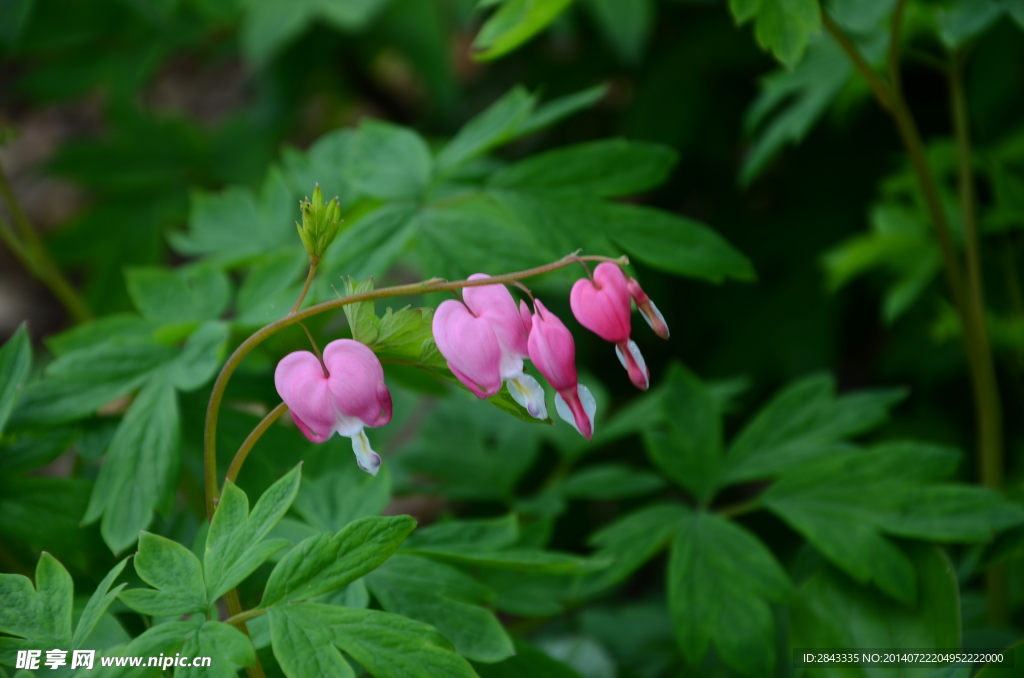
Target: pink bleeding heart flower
pixel 553 351
pixel 602 306
pixel 351 398
pixel 647 309
pixel 484 340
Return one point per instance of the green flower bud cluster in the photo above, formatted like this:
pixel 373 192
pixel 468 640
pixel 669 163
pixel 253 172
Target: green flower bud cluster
pixel 320 222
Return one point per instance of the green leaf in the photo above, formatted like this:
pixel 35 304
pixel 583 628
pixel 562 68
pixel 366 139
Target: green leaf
pixel 798 97
pixel 384 644
pixel 326 562
pixel 802 422
pixel 80 382
pixel 201 355
pixel 174 572
pixel 271 286
pixel 443 597
pixel 119 327
pixel 140 467
pixel 98 603
pixel 784 26
pixel 960 20
pixel 491 128
pixel 605 168
pixel 371 244
pixel 388 161
pixel 720 580
pixel 610 481
pixel 528 661
pixel 844 502
pixel 41 615
pixel 322 163
pixel 634 540
pixel 626 24
pixel 872 620
pixel 484 533
pixel 229 227
pixel 518 560
pixel 235 544
pixel 183 295
pixel 688 446
pixel 555 110
pixel 515 22
pixel 167 639
pixel 227 647
pixel 15 360
pixel 334 499
pixel 674 244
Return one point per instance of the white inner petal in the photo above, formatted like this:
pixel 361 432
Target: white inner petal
pixel 367 459
pixel 528 392
pixel 634 351
pixel 622 358
pixel 656 313
pixel 589 406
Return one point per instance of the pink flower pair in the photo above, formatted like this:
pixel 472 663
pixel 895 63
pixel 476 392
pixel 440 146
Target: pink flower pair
pixel 602 305
pixel 350 397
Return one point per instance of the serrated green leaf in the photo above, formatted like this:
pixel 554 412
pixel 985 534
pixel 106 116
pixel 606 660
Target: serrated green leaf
pixel 183 295
pixel 804 421
pixel 384 644
pixel 528 661
pixel 609 481
pixel 140 467
pixel 674 244
pixel 227 647
pixel 388 161
pixel 551 112
pixel 784 26
pixel 872 620
pixel 688 447
pixel 483 533
pixel 40 614
pixel 334 499
pixel 200 356
pixel 235 544
pixel 229 227
pixel 605 168
pixel 329 561
pixel 633 540
pixel 720 580
pixel 491 128
pixel 443 597
pixel 175 574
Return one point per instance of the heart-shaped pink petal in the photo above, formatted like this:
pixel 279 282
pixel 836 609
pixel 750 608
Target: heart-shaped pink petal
pixel 602 305
pixel 470 346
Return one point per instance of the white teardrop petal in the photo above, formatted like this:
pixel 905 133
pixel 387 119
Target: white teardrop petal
pixel 528 392
pixel 589 403
pixel 367 459
pixel 638 357
pixel 565 413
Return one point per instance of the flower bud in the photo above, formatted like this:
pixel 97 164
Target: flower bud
pixel 320 222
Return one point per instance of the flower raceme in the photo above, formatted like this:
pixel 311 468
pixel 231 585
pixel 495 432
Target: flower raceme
pixel 602 305
pixel 350 397
pixel 484 339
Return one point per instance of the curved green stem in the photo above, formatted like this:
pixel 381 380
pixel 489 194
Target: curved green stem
pixel 30 251
pixel 242 616
pixel 433 285
pixel 250 440
pixel 313 263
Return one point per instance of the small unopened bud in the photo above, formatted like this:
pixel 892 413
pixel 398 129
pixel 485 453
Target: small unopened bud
pixel 647 309
pixel 320 222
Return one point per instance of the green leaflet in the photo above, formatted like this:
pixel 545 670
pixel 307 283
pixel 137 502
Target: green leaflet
pixel 445 598
pixel 326 562
pixel 235 544
pixel 781 26
pixel 844 503
pixel 515 22
pixel 872 620
pixel 720 579
pixel 528 661
pixel 183 295
pixel 307 638
pixel 174 572
pixel 688 446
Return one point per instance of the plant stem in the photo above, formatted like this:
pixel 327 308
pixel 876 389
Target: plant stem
pixel 239 617
pixel 740 509
pixel 966 290
pixel 250 440
pixel 432 285
pixel 313 263
pixel 987 400
pixel 242 616
pixel 34 256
